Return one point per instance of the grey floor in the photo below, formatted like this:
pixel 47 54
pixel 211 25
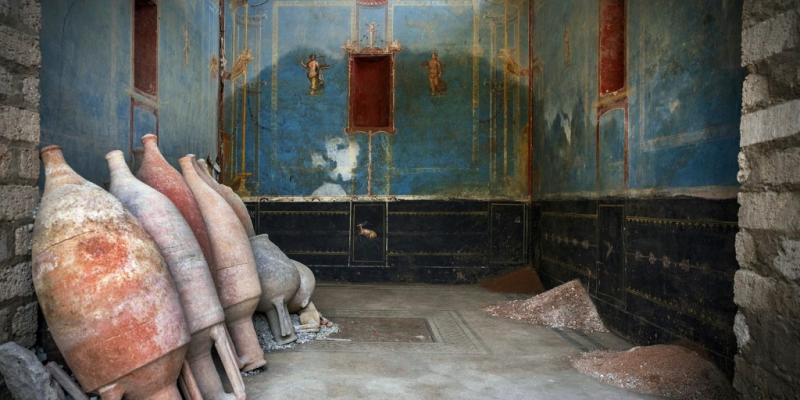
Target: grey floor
pixel 466 354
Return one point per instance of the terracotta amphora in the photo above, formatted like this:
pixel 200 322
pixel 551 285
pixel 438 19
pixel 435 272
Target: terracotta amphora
pixel 160 175
pixel 184 257
pixel 279 282
pixel 234 268
pixel 302 297
pixel 230 196
pixel 105 290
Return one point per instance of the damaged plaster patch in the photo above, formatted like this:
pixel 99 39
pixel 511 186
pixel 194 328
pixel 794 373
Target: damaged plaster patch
pixel 566 127
pixel 318 160
pixel 344 153
pixel 674 105
pixel 329 189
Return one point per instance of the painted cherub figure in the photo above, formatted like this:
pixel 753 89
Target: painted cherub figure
pixel 314 73
pixel 435 72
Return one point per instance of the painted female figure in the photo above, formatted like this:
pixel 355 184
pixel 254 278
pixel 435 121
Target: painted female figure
pixel 435 71
pixel 314 73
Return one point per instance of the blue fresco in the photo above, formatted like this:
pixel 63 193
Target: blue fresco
pixel 683 94
pixel 295 143
pixel 86 81
pixel 611 150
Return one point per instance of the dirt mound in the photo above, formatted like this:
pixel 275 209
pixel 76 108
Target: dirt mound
pixel 523 280
pixel 567 306
pixel 663 370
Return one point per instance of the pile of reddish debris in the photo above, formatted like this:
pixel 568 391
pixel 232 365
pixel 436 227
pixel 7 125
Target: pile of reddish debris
pixel 565 307
pixel 663 370
pixel 522 280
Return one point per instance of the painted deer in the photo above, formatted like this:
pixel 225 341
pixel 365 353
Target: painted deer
pixel 367 233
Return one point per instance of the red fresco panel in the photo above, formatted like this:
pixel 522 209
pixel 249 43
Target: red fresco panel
pixel 612 46
pixel 371 93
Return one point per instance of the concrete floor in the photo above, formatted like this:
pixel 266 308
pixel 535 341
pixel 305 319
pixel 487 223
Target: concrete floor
pixel 472 355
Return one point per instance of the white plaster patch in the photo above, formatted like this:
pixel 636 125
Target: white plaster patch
pixel 317 160
pixel 329 189
pixel 344 153
pixel 673 105
pixel 567 129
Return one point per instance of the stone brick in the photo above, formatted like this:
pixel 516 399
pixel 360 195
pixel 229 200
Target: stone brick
pixel 16 281
pixel 753 382
pixel 20 47
pixel 30 90
pixel 24 324
pixel 769 167
pixel 8 86
pixel 22 240
pixel 17 202
pixel 756 293
pixel 770 37
pixel 770 336
pixel 755 91
pixel 778 121
pixel 755 11
pixel 743 175
pixel 788 259
pixel 27 163
pixel 770 211
pixel 741 330
pixel 6 161
pixel 5 244
pixel 5 332
pixel 19 124
pixel 745 249
pixel 30 13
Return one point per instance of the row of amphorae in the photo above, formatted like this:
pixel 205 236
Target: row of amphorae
pixel 140 285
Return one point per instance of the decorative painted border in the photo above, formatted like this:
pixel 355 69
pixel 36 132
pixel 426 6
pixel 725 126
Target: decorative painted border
pixel 692 223
pixel 449 331
pixel 554 214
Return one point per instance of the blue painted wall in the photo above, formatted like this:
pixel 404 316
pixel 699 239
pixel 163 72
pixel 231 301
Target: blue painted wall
pixel 683 91
pixel 86 80
pixel 471 142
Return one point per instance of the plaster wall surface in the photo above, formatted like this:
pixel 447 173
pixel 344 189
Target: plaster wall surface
pixel 89 104
pixel 468 142
pixel 675 131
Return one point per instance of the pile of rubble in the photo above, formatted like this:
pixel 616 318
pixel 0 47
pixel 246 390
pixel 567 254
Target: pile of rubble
pixel 269 344
pixel 522 280
pixel 564 307
pixel 663 370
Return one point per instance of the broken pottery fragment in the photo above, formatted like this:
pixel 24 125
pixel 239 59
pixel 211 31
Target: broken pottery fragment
pixel 234 268
pixel 310 319
pixel 103 285
pixel 279 282
pixel 69 386
pixel 160 175
pixel 184 257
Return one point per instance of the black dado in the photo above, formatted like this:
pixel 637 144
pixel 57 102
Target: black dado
pixel 658 270
pixel 414 240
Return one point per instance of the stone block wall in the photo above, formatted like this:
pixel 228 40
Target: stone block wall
pixel 767 286
pixel 20 60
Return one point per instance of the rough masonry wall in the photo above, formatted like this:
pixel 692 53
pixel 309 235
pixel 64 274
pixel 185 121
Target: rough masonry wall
pixel 20 59
pixel 767 287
